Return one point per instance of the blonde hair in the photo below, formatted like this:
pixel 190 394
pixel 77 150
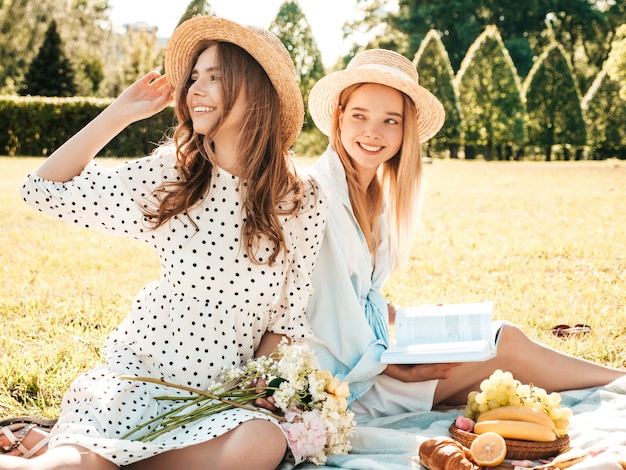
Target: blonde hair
pixel 269 185
pixel 397 184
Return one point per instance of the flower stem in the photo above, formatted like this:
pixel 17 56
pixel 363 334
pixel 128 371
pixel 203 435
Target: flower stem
pixel 176 421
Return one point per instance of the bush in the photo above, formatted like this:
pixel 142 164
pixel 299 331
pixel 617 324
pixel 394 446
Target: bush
pixel 36 126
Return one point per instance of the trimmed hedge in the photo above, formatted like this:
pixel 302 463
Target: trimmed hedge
pixel 36 126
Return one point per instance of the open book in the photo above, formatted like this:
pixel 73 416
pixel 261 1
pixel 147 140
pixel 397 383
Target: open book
pixel 439 333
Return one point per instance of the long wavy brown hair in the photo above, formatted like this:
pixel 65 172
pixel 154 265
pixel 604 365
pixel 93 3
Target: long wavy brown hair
pixel 269 185
pixel 398 182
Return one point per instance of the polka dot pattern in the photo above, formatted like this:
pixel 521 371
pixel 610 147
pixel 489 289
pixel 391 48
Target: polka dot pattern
pixel 208 310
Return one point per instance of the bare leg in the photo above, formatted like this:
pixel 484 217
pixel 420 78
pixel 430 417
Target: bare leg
pixel 257 444
pixel 529 362
pixel 64 457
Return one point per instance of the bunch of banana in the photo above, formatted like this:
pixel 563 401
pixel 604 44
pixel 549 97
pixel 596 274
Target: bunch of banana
pixel 517 422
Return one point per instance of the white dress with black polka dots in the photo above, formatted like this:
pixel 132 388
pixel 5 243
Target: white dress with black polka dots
pixel 208 310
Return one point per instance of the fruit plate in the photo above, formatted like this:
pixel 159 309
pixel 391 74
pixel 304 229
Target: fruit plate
pixel 516 449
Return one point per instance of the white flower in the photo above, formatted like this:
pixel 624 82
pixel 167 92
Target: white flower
pixel 316 418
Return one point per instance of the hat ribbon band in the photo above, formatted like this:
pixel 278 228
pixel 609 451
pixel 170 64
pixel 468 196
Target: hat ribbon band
pixel 388 69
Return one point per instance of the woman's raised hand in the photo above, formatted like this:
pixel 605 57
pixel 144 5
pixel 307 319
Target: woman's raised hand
pixel 146 97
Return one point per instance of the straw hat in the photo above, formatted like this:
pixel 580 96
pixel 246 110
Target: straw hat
pixel 266 48
pixel 383 67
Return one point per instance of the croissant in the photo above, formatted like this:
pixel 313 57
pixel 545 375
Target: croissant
pixel 444 453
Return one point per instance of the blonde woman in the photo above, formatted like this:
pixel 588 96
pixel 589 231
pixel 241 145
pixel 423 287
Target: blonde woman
pixel 376 115
pixel 236 231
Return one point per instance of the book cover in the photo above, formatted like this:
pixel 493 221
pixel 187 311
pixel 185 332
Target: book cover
pixel 440 333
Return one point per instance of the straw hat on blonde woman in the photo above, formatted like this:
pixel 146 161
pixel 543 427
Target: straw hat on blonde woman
pixel 383 67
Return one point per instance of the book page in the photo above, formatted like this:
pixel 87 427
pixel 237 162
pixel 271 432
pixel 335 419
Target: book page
pixel 428 324
pixel 443 333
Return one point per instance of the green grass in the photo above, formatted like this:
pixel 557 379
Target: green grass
pixel 545 241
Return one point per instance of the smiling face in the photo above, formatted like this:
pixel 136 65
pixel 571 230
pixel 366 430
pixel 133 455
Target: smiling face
pixel 371 124
pixel 205 99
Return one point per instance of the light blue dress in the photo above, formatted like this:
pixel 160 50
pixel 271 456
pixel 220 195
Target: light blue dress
pixel 348 312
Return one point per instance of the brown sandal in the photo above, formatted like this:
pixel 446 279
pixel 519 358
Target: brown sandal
pixel 15 430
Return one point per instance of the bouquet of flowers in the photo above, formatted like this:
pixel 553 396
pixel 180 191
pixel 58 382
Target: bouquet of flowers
pixel 312 404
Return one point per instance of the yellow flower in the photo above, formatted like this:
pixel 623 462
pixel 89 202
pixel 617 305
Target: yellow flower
pixel 342 390
pixel 332 385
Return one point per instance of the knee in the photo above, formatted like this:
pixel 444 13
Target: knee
pixel 512 340
pixel 266 452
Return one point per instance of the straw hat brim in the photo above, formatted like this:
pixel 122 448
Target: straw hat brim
pixel 324 98
pixel 266 49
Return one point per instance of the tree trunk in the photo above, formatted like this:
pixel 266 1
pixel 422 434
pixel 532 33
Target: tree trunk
pixel 548 151
pixel 489 151
pixel 470 152
pixel 566 153
pixel 454 150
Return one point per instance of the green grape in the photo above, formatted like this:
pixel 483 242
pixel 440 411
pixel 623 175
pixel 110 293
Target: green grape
pixel 566 413
pixel 502 389
pixel 555 413
pixel 493 404
pixel 555 397
pixel 539 406
pixel 539 393
pixel 561 427
pixel 507 377
pixel 523 391
pixel 515 401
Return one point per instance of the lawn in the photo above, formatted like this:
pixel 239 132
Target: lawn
pixel 545 241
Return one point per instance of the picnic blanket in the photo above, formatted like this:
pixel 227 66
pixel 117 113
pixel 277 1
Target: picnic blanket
pixel 392 443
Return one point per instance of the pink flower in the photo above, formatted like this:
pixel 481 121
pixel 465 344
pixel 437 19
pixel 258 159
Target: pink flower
pixel 306 433
pixel 464 424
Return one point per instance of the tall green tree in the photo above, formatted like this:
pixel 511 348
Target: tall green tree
pixel 196 8
pixel 50 73
pixel 461 21
pixel 84 27
pixel 88 38
pixel 583 30
pixel 605 114
pixel 141 55
pixel 490 96
pixel 23 24
pixel 616 63
pixel 372 20
pixel 585 24
pixel 294 31
pixel 553 103
pixel 436 75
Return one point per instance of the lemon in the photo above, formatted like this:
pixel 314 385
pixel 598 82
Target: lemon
pixel 488 449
